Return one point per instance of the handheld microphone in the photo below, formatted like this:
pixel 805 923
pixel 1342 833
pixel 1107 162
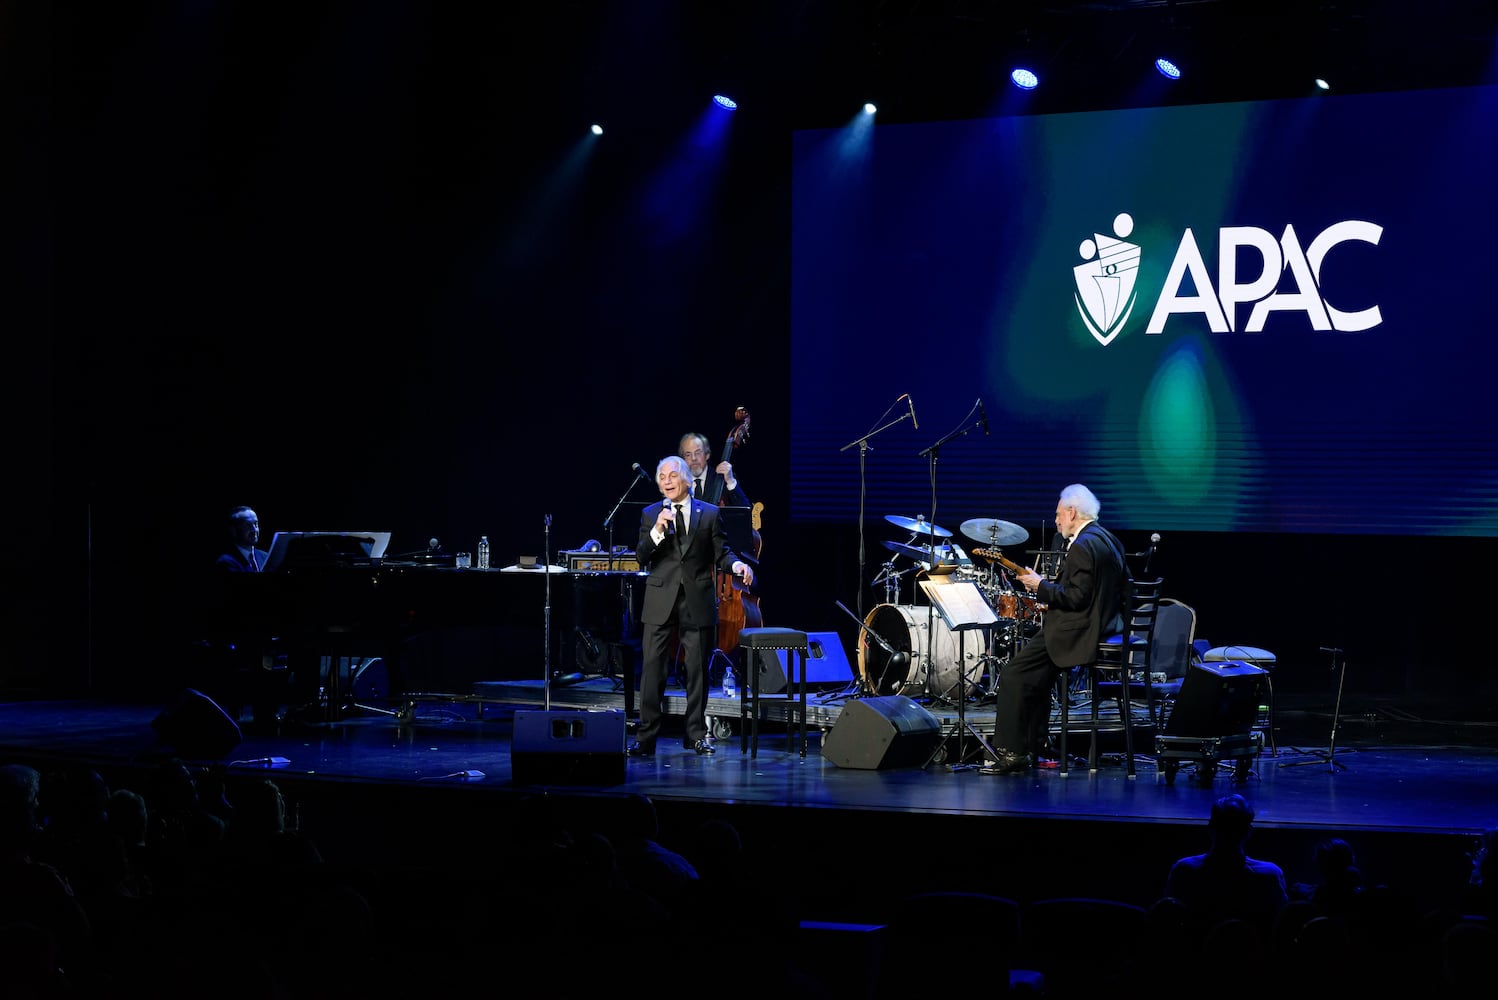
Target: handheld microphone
pixel 671 521
pixel 983 415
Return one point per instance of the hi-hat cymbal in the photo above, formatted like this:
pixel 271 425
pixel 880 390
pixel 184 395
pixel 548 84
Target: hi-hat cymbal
pixel 919 525
pixel 992 531
pixel 911 552
pixel 946 555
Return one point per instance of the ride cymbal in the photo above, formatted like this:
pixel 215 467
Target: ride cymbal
pixel 992 531
pixel 920 526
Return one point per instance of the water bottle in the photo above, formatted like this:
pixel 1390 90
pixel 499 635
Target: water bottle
pixel 730 683
pixel 483 552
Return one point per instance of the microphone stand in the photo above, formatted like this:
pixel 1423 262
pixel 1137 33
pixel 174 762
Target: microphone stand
pixel 546 565
pixel 863 450
pixel 932 452
pixel 1329 755
pixel 626 594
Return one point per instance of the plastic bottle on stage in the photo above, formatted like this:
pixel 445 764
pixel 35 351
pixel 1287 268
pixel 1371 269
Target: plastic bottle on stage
pixel 483 552
pixel 730 683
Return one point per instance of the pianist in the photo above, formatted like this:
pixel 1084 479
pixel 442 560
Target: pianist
pixel 240 554
pixel 248 674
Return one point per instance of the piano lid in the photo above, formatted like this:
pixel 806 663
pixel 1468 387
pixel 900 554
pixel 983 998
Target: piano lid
pixel 325 548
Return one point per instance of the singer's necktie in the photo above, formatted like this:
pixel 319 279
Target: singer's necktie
pixel 681 524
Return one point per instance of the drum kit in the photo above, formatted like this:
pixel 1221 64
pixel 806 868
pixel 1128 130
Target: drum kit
pixel 913 650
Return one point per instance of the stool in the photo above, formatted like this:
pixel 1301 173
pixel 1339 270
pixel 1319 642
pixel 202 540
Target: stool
pixel 771 640
pixel 1256 657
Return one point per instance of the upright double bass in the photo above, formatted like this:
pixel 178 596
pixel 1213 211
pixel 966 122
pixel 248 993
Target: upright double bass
pixel 737 606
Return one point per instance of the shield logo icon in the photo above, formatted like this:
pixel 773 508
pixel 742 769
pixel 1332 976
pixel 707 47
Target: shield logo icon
pixel 1105 281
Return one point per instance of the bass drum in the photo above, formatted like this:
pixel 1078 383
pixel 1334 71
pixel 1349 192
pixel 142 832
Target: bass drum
pixel 904 629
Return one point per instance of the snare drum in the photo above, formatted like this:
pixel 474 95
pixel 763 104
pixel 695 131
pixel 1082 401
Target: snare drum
pixel 904 628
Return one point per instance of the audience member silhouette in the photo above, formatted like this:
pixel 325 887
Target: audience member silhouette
pixel 1225 882
pixel 37 903
pixel 1340 880
pixel 646 864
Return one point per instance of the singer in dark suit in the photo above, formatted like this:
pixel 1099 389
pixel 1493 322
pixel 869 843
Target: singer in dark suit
pixel 681 543
pixel 1084 603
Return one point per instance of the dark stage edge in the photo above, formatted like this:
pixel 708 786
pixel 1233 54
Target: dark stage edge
pixel 430 787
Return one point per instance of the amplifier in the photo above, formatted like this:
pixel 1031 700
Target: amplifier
pixel 599 562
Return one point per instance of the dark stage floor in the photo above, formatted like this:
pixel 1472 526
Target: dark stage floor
pixel 1412 792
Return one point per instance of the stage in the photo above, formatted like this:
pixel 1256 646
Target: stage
pixel 1411 792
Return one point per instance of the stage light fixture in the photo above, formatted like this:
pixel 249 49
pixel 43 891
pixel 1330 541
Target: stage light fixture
pixel 870 108
pixel 1168 69
pixel 596 129
pixel 724 101
pixel 1024 79
pixel 1321 84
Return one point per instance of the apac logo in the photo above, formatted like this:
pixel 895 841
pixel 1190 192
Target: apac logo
pixel 1105 282
pixel 1107 293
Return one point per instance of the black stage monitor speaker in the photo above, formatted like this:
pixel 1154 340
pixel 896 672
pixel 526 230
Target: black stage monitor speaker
pixel 826 663
pixel 879 733
pixel 194 726
pixel 568 748
pixel 1217 699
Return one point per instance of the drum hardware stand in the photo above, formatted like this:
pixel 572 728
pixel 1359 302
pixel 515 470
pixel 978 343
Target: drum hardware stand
pixel 1329 755
pixel 863 450
pixel 895 657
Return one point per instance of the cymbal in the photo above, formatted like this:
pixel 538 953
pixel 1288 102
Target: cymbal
pixel 911 552
pixel 994 532
pixel 920 526
pixel 946 555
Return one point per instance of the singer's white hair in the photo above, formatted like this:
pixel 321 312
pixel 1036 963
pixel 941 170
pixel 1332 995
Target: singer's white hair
pixel 1078 496
pixel 676 462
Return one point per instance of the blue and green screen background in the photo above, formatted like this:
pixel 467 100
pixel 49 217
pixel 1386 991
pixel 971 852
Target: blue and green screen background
pixel 935 259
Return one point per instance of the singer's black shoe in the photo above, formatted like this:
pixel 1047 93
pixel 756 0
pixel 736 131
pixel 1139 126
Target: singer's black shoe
pixel 1009 763
pixel 638 749
pixel 704 748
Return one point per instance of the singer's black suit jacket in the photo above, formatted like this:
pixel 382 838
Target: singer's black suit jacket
pixel 674 568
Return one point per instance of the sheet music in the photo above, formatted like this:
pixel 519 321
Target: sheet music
pixel 961 605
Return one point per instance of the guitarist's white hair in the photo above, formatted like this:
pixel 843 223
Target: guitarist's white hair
pixel 1078 496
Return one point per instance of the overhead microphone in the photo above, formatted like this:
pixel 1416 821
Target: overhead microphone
pixel 982 415
pixel 1154 539
pixel 913 422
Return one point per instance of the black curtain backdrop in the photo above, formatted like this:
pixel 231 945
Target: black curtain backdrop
pixel 364 268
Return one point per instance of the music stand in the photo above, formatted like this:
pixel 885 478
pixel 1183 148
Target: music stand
pixel 963 608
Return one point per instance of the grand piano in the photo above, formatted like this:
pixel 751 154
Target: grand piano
pixel 435 628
